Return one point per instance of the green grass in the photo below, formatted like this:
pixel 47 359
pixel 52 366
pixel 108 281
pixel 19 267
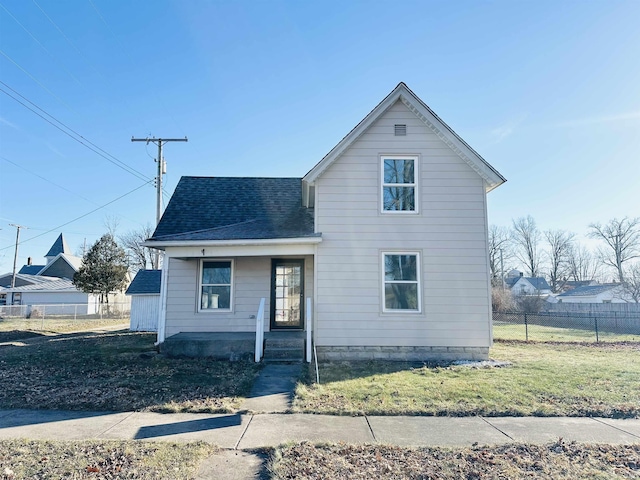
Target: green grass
pixel 545 379
pixel 116 371
pixel 542 333
pixel 559 461
pixel 29 459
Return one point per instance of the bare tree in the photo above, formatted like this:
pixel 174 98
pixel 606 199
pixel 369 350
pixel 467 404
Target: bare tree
pixel 560 243
pixel 631 285
pixel 622 242
pixel 581 264
pixel 499 249
pixel 526 241
pixel 140 257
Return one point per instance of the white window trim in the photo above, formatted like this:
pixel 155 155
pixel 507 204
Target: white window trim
pixel 416 176
pixel 384 282
pixel 199 291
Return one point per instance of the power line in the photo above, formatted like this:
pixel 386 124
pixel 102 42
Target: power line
pixel 89 144
pixel 2 157
pixel 41 45
pixel 82 216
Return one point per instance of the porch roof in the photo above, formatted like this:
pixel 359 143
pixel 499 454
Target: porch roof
pixel 221 209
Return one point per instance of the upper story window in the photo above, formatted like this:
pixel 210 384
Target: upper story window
pixel 215 285
pixel 399 185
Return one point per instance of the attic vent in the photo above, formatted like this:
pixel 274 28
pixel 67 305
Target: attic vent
pixel 400 130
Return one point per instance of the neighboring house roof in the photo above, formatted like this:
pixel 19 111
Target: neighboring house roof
pixel 26 279
pixel 402 93
pixel 59 246
pixel 230 208
pixel 48 284
pixel 31 269
pixel 589 291
pixel 146 282
pixel 73 261
pixel 538 283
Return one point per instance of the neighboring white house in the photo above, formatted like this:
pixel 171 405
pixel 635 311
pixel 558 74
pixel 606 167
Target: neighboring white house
pixel 606 293
pixel 50 285
pixel 528 285
pixel 145 301
pixel 387 235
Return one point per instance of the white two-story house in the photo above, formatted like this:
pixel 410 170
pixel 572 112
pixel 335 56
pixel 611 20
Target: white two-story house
pixel 379 251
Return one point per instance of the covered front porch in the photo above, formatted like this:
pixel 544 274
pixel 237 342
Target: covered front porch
pixel 238 301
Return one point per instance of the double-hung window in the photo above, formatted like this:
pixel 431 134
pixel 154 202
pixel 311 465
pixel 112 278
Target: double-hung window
pixel 401 281
pixel 399 184
pixel 215 285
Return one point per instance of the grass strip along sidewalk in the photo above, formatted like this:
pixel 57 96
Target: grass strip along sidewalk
pixel 559 461
pixel 30 459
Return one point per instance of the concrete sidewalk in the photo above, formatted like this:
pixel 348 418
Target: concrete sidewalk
pixel 237 432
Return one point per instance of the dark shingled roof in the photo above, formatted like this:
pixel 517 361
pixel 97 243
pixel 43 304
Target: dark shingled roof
pixel 31 269
pixel 59 246
pixel 232 208
pixel 145 282
pixel 538 283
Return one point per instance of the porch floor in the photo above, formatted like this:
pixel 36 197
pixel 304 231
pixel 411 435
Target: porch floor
pixel 222 345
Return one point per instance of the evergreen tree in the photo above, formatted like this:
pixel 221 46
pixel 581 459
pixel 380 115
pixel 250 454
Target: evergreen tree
pixel 104 269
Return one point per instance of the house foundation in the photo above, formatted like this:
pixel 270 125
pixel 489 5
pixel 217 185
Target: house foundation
pixel 409 354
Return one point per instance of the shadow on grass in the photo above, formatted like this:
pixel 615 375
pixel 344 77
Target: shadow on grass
pixel 17 335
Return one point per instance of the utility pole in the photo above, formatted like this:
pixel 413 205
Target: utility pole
pixel 162 169
pixel 15 255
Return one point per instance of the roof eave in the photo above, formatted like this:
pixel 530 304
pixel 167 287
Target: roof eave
pixel 161 245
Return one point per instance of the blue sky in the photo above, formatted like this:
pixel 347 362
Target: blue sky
pixel 546 91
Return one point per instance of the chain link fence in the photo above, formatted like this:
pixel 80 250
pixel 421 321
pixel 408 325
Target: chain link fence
pixel 567 326
pixel 61 317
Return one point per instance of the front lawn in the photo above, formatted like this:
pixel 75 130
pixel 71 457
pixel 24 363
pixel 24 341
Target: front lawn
pixel 116 371
pixel 545 379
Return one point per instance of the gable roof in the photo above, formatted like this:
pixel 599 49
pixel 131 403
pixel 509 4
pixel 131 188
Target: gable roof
pixel 539 283
pixel 235 208
pixel 73 261
pixel 146 282
pixel 402 93
pixel 59 246
pixel 588 291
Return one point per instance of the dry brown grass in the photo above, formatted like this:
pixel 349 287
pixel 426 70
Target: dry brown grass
pixel 29 459
pixel 558 461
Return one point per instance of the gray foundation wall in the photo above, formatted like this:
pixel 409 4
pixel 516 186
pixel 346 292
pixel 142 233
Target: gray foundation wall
pixel 412 354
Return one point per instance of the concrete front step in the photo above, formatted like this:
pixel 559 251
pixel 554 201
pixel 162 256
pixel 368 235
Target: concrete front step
pixel 287 353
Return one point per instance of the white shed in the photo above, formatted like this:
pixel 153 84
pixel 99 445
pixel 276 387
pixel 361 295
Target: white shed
pixel 145 301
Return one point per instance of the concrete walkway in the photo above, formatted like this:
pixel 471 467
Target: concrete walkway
pixel 238 432
pixel 272 391
pixel 241 436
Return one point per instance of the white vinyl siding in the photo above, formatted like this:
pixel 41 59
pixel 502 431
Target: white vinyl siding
pixel 251 282
pixel 449 231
